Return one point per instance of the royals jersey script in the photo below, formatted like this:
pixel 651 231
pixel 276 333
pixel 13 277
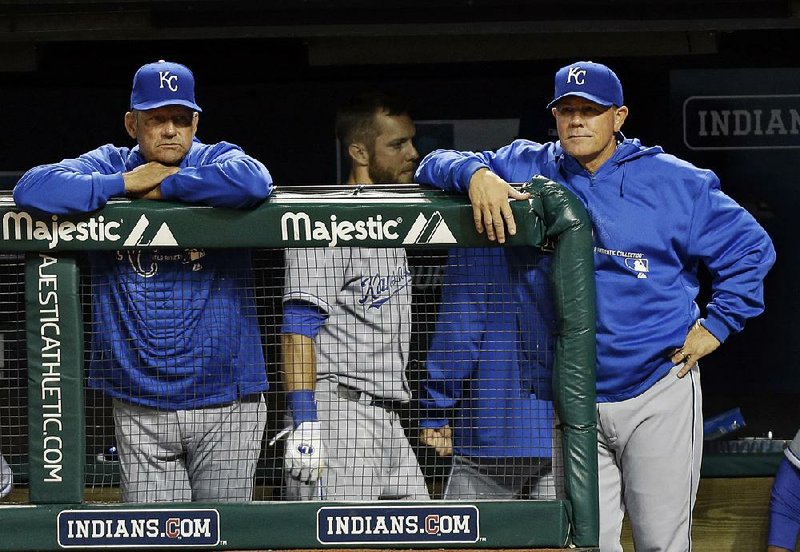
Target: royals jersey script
pixel 366 295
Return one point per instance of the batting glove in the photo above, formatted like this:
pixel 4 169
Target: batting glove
pixel 305 454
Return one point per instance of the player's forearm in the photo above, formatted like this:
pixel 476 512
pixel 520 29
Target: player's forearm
pixel 56 189
pixel 449 170
pixel 299 362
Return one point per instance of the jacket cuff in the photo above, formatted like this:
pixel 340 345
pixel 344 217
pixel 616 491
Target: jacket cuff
pixel 717 328
pixel 432 423
pixel 470 167
pixel 168 187
pixel 113 185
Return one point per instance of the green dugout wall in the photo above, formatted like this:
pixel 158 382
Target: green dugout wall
pixel 326 217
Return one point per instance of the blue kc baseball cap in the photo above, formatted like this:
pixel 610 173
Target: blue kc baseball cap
pixel 163 83
pixel 586 79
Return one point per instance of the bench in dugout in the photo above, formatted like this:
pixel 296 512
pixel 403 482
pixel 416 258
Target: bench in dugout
pixel 429 329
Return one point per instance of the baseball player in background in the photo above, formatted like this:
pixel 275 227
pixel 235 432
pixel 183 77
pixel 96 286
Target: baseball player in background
pixel 6 478
pixel 346 337
pixel 784 506
pixel 500 433
pixel 175 341
pixel 655 219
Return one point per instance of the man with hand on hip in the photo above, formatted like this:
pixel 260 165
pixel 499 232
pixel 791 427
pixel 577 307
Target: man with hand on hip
pixel 655 218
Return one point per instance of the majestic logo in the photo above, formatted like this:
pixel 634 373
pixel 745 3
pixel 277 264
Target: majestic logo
pixel 135 528
pixel 23 227
pixel 335 230
pixel 301 227
pixel 162 238
pixel 170 80
pixel 398 524
pixel 576 75
pixel 432 230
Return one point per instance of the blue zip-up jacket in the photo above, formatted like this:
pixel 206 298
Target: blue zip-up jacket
pixel 475 368
pixel 655 218
pixel 173 329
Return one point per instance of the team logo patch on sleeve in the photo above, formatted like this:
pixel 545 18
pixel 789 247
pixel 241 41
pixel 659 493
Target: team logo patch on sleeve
pixel 398 524
pixel 138 528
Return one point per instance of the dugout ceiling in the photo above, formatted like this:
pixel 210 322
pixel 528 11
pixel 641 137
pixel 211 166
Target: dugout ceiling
pixel 348 32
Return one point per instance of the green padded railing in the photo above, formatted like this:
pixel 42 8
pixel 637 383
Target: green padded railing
pixel 377 216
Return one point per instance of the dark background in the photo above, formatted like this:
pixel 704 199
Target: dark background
pixel 270 74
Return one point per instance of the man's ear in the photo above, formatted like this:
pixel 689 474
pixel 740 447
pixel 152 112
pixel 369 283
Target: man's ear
pixel 195 122
pixel 359 154
pixel 131 124
pixel 619 117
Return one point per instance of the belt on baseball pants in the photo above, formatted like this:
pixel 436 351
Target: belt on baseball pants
pixel 251 398
pixel 353 394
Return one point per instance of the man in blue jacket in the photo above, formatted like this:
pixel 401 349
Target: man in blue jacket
pixel 784 506
pixel 656 219
pixel 477 397
pixel 175 340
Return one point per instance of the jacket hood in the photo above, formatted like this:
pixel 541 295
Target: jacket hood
pixel 627 150
pixel 630 149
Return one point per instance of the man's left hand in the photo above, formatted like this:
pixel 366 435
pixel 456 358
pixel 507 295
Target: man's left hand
pixel 305 457
pixel 489 195
pixel 155 193
pixel 441 439
pixel 699 343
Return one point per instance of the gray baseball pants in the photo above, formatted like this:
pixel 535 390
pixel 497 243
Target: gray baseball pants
pixel 207 454
pixel 649 453
pixel 500 479
pixel 368 454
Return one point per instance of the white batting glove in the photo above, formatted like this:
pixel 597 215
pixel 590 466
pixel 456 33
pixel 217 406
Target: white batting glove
pixel 305 456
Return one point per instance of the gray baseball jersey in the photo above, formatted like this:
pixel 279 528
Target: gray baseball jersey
pixel 793 451
pixel 366 294
pixel 6 478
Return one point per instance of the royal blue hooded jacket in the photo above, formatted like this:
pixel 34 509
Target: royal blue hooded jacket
pixel 173 329
pixel 655 219
pixel 481 362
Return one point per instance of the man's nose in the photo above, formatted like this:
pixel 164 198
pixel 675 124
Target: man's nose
pixel 169 129
pixel 576 119
pixel 413 154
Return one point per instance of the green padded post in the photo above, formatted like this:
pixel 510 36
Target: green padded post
pixel 574 384
pixel 55 380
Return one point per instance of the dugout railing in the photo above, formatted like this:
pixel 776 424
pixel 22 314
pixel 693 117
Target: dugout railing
pixel 48 247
